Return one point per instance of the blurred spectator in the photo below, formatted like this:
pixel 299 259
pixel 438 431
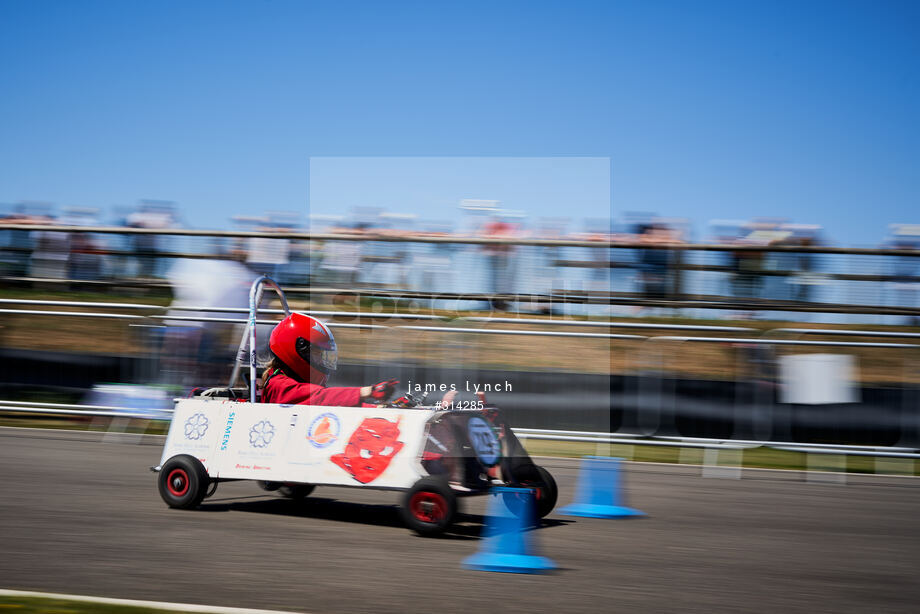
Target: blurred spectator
pixel 499 261
pixel 19 243
pixel 268 256
pixel 151 215
pixel 725 232
pixel 599 268
pixel 433 260
pixel 747 269
pixel 548 278
pixel 51 253
pixel 386 263
pixel 623 262
pixel 341 260
pixel 85 257
pixel 751 265
pixel 803 265
pixel 198 353
pixel 906 269
pixel 86 250
pixel 655 264
pixel 593 272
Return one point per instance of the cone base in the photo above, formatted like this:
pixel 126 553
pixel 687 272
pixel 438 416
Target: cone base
pixel 591 510
pixel 508 563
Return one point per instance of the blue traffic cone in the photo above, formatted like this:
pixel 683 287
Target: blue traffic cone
pixel 508 546
pixel 598 494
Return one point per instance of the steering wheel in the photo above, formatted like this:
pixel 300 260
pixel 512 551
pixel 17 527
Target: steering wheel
pixel 408 400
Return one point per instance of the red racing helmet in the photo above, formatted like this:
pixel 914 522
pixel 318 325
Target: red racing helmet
pixel 306 347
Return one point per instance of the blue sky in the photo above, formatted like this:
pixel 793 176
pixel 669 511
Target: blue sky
pixel 576 188
pixel 805 110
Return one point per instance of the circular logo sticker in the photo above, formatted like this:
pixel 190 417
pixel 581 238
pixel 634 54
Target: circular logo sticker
pixel 484 441
pixel 196 426
pixel 261 434
pixel 324 430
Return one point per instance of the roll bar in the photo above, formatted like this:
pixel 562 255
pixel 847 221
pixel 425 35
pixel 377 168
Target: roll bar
pixel 249 334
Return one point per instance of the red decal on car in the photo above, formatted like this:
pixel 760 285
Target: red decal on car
pixel 370 449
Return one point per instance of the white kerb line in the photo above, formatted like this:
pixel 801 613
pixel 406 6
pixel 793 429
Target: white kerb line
pixel 155 605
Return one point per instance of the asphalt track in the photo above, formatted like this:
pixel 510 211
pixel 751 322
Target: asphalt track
pixel 81 516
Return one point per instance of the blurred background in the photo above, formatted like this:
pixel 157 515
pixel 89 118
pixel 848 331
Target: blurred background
pixel 641 324
pixel 669 231
pixel 653 222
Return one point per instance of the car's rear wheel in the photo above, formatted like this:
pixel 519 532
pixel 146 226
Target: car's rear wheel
pixel 183 482
pixel 296 491
pixel 545 492
pixel 429 507
pixel 291 490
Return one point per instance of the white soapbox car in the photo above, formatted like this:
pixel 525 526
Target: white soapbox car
pixel 434 455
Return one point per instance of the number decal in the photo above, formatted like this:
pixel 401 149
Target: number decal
pixel 484 441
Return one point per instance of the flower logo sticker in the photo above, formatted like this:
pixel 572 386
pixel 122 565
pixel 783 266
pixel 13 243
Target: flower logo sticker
pixel 196 426
pixel 261 434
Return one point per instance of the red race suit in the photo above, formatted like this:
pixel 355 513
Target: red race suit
pixel 285 390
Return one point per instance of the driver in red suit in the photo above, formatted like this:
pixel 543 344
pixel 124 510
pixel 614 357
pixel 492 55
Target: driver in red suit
pixel 303 357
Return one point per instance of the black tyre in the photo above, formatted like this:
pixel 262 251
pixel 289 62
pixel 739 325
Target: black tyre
pixel 183 482
pixel 296 491
pixel 429 507
pixel 544 487
pixel 547 492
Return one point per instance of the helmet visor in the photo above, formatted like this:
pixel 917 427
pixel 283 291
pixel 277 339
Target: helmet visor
pixel 324 359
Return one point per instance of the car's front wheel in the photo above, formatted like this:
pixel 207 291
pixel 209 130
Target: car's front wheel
pixel 429 507
pixel 183 482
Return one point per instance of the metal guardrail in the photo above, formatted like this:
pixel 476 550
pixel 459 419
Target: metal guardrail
pixel 635 325
pixel 761 341
pixel 524 433
pixel 651 420
pixel 27 406
pixel 73 409
pixel 24 301
pixel 470 240
pixel 697 276
pixel 566 297
pixel 874 454
pixel 81 314
pixel 709 443
pixel 816 446
pixel 352 314
pixel 533 333
pixel 837 331
pixel 551 435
